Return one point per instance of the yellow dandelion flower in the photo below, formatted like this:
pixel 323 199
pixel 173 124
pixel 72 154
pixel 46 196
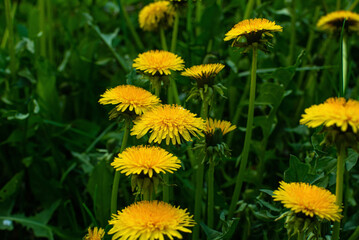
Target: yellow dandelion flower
pixel 170 122
pixel 95 234
pixel 203 71
pixel 131 98
pixel 147 160
pixel 213 124
pixel 308 199
pixel 155 15
pixel 334 21
pixel 149 221
pixel 333 112
pixel 253 30
pixel 158 62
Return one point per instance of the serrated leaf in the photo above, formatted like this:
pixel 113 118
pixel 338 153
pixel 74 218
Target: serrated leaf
pixel 298 171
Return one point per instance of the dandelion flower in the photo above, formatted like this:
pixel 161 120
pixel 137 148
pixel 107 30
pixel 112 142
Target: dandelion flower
pixel 96 234
pixel 149 221
pixel 203 73
pixel 158 62
pixel 308 199
pixel 213 124
pixel 170 122
pixel 155 15
pixel 147 160
pixel 253 30
pixel 131 98
pixel 334 21
pixel 333 112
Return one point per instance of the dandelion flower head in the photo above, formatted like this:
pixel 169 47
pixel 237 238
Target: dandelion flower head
pixel 95 234
pixel 333 112
pixel 309 200
pixel 147 160
pixel 204 72
pixel 170 123
pixel 155 15
pixel 131 98
pixel 213 124
pixel 252 29
pixel 150 220
pixel 158 62
pixel 334 21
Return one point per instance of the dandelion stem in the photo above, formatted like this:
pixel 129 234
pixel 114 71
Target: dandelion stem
pixel 130 26
pixel 210 212
pixel 342 154
pixel 249 9
pixel 198 16
pixel 50 38
pixel 166 189
pixel 247 140
pixel 175 33
pixel 293 34
pixel 163 39
pixel 173 87
pixel 172 90
pixel 344 63
pixel 116 179
pixel 42 22
pixel 199 182
pixel 338 4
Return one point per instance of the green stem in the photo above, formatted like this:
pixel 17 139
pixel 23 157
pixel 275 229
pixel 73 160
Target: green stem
pixel 166 189
pixel 11 46
pixel 293 36
pixel 147 195
pixel 210 183
pixel 49 30
pixel 247 140
pixel 199 182
pixel 163 39
pixel 175 33
pixel 173 87
pixel 342 154
pixel 42 22
pixel 249 9
pixel 338 4
pixel 300 236
pixel 198 16
pixel 130 26
pixel 189 29
pixel 156 84
pixel 344 64
pixel 116 179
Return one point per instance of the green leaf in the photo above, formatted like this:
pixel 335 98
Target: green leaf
pixel 298 171
pixel 99 187
pixel 11 186
pixel 37 223
pixel 351 160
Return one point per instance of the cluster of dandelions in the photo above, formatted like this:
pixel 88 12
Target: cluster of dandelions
pixel 174 124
